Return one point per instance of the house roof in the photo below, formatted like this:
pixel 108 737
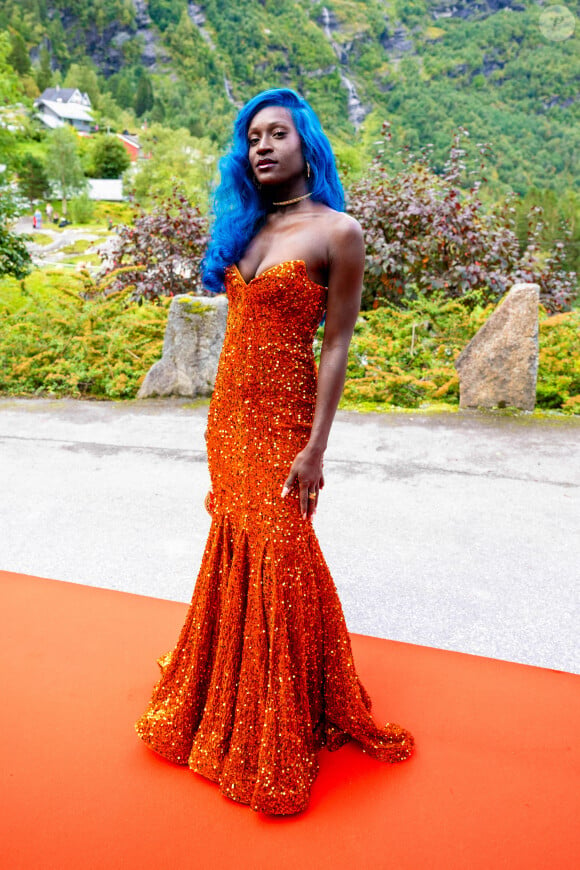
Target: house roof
pixel 65 95
pixel 70 111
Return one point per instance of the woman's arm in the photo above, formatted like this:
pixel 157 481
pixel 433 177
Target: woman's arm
pixel 346 267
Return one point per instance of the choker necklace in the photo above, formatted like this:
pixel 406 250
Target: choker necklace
pixel 296 199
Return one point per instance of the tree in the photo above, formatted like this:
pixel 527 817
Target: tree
pixel 109 157
pixel 18 56
pixel 144 97
pixel 63 165
pixel 14 257
pixel 44 71
pixel 174 154
pixel 84 77
pixel 32 179
pixel 10 86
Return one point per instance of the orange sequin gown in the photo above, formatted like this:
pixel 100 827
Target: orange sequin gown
pixel 262 675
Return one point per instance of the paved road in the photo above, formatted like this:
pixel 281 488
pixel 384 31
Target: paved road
pixel 459 531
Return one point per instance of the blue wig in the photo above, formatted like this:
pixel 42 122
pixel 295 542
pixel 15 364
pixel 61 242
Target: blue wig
pixel 238 210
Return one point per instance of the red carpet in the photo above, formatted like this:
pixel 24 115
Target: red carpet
pixel 494 782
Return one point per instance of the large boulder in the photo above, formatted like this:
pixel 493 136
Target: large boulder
pixel 191 348
pixel 499 366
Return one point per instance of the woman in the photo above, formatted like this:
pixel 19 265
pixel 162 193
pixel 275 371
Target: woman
pixel 262 675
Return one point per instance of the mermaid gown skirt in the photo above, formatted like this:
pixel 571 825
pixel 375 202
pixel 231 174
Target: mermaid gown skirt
pixel 262 675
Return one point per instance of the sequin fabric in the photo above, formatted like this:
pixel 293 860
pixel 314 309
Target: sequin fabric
pixel 262 675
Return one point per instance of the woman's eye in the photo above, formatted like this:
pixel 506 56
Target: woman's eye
pixel 279 134
pixel 253 141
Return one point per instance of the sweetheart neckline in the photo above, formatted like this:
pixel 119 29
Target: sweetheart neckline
pixel 277 266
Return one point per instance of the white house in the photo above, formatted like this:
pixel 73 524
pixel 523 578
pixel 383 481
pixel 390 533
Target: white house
pixel 107 189
pixel 60 106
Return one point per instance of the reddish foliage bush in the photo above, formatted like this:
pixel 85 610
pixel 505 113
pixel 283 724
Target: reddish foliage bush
pixel 160 254
pixel 425 233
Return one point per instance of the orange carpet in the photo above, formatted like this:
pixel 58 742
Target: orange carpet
pixel 494 782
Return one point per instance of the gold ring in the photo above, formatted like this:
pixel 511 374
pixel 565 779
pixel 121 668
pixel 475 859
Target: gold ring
pixel 311 495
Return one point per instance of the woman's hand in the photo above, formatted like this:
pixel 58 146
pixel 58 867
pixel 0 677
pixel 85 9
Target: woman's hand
pixel 307 470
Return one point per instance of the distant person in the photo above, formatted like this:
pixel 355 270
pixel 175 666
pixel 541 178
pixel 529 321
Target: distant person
pixel 49 210
pixel 37 221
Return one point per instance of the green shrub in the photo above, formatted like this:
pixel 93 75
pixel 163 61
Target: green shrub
pixel 559 369
pixel 82 209
pixel 62 345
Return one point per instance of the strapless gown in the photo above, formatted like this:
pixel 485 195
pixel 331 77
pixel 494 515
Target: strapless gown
pixel 262 675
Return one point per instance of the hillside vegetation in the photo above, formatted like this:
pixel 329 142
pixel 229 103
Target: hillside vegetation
pixel 497 67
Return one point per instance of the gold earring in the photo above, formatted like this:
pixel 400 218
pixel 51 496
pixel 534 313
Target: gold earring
pixel 308 170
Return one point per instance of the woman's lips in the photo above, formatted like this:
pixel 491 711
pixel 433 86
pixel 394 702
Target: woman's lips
pixel 265 164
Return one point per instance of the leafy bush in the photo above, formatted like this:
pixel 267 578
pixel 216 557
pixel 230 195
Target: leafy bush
pixel 14 257
pixel 403 356
pixel 161 253
pixel 82 209
pixel 63 345
pixel 424 233
pixel 559 369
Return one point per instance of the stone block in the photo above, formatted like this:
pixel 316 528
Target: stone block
pixel 191 348
pixel 499 366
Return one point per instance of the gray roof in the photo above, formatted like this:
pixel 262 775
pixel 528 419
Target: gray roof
pixel 65 95
pixel 71 111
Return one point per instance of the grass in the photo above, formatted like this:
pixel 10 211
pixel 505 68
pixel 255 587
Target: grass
pixel 77 247
pixel 87 259
pixel 42 239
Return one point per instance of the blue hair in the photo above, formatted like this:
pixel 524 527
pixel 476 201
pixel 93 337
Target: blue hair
pixel 238 211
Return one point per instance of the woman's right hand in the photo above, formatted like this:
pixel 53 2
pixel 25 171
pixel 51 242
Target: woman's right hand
pixel 307 470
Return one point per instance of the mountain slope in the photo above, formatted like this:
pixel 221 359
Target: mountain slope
pixel 498 67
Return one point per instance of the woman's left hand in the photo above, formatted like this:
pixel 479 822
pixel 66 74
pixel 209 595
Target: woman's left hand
pixel 307 469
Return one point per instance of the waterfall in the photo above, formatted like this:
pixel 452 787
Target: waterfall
pixel 356 111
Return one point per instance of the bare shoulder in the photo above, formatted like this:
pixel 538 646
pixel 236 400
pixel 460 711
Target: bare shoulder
pixel 342 227
pixel 342 232
pixel 346 256
pixel 345 239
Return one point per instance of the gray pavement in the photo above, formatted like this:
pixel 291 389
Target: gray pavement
pixel 458 531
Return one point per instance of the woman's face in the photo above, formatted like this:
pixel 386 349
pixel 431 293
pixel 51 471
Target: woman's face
pixel 274 147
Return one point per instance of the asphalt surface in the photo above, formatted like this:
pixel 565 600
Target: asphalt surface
pixel 457 531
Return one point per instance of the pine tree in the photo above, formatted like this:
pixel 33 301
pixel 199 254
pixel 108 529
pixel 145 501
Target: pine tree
pixel 144 96
pixel 44 72
pixel 18 57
